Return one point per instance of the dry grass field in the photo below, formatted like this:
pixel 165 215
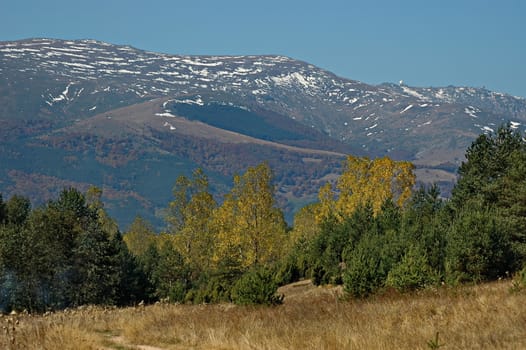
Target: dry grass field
pixel 488 316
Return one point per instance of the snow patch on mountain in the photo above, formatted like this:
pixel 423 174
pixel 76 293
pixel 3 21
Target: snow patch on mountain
pixel 62 97
pixel 406 109
pixel 414 93
pixel 470 110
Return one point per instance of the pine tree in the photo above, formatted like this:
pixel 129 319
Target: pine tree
pixel 3 211
pixel 493 174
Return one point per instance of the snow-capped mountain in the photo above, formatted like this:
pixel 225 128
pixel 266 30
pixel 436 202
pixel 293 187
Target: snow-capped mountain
pixel 107 95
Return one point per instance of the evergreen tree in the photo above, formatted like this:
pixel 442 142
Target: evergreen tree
pixel 488 160
pixel 493 174
pixel 134 285
pixel 96 268
pixel 170 274
pixel 412 272
pixel 365 270
pixel 3 211
pixel 478 245
pixel 425 223
pixel 256 286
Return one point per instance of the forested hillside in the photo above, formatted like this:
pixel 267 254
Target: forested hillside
pixel 369 231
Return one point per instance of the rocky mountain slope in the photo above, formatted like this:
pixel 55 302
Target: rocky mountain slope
pixel 130 121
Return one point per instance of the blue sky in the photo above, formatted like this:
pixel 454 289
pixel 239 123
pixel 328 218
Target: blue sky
pixel 425 42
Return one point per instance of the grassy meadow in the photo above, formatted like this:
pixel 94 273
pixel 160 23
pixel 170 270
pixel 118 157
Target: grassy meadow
pixel 486 316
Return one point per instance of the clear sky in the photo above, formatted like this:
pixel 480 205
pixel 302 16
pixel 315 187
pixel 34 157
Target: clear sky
pixel 423 42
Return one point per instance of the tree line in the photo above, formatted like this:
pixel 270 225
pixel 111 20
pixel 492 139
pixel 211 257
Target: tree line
pixel 369 231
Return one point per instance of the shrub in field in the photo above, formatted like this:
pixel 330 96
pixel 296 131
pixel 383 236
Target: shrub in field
pixel 256 286
pixel 365 271
pixel 478 246
pixel 210 289
pixel 412 272
pixel 522 277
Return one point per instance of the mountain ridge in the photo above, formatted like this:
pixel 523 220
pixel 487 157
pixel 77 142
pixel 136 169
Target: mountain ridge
pixel 122 109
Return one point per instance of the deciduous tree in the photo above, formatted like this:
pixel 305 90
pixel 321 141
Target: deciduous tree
pixel 190 218
pixel 250 228
pixel 364 182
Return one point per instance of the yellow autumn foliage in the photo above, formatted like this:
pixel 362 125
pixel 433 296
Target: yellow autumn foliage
pixel 190 218
pixel 366 181
pixel 250 230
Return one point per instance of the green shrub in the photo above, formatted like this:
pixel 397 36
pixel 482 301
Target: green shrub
pixel 365 272
pixel 213 287
pixel 478 246
pixel 412 272
pixel 294 265
pixel 522 275
pixel 214 291
pixel 518 283
pixel 256 286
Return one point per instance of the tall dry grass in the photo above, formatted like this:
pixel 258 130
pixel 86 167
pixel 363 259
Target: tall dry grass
pixel 487 316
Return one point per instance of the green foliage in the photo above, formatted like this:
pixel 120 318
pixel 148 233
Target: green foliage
pixel 96 269
pixel 17 210
pixel 256 286
pixel 519 281
pixel 166 271
pixel 325 254
pixel 488 160
pixel 412 272
pixel 139 237
pixel 424 223
pixel 213 287
pixel 494 174
pixel 134 285
pixel 59 255
pixel 3 210
pixel 170 274
pixel 24 275
pixel 70 252
pixel 478 245
pixel 73 202
pixel 434 343
pixel 365 270
pixel 240 120
pixel 295 264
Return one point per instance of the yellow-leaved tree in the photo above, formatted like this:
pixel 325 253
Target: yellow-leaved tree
pixel 190 216
pixel 305 225
pixel 250 229
pixel 139 236
pixel 366 181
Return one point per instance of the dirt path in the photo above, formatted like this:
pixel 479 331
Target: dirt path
pixel 119 340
